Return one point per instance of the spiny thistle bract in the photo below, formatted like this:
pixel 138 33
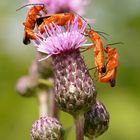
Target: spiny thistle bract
pixel 96 120
pixel 47 128
pixel 75 90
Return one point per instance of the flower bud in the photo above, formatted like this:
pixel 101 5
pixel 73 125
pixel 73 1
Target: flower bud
pixel 96 121
pixel 26 85
pixel 47 128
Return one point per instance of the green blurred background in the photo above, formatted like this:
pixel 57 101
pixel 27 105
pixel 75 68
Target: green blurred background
pixel 121 20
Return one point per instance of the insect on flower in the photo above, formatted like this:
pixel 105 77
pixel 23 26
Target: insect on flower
pixel 59 19
pixel 30 21
pixel 112 64
pixel 98 50
pixel 41 6
pixel 105 73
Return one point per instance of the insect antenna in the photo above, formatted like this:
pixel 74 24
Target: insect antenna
pixel 30 4
pixel 102 34
pixel 95 75
pixel 92 68
pixel 95 72
pixel 82 18
pixel 115 43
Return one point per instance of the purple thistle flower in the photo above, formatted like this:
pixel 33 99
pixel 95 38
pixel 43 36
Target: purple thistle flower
pixel 57 39
pixel 74 88
pixel 60 6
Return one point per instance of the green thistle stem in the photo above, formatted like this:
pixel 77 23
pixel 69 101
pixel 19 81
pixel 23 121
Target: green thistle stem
pixel 46 82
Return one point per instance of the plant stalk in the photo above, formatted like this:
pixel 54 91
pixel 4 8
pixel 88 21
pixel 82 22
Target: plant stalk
pixel 43 104
pixel 79 122
pixel 53 105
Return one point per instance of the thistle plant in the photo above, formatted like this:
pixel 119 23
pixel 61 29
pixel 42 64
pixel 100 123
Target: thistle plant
pixel 60 77
pixel 74 88
pixel 27 85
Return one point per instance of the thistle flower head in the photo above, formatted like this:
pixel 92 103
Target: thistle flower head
pixel 75 89
pixel 61 6
pixel 96 120
pixel 47 128
pixel 58 39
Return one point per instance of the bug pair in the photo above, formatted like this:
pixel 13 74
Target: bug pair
pixel 106 59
